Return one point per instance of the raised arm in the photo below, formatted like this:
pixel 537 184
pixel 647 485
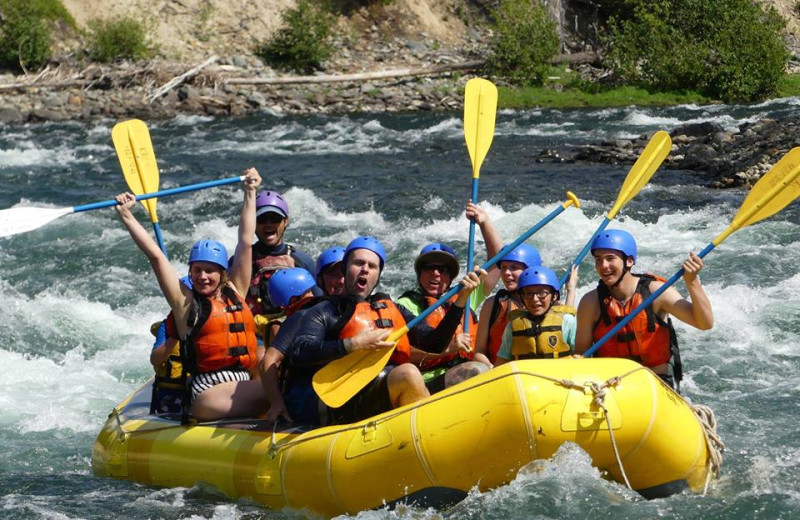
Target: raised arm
pixel 241 270
pixel 492 240
pixel 588 314
pixel 697 312
pixel 571 287
pixel 167 278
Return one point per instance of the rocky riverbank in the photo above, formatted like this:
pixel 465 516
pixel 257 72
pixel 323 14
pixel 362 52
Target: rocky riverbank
pixel 728 159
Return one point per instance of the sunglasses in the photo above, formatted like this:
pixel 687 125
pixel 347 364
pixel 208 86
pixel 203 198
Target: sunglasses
pixel 435 267
pixel 541 294
pixel 269 218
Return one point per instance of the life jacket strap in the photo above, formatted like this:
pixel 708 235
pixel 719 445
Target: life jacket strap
pixel 237 351
pixel 384 323
pixel 236 327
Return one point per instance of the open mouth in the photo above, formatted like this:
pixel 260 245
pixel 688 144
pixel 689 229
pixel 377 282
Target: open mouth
pixel 362 283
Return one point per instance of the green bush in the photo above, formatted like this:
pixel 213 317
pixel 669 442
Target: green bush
pixel 524 40
pixel 121 38
pixel 304 41
pixel 25 31
pixel 729 50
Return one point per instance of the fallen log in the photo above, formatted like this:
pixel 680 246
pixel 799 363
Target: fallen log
pixel 361 76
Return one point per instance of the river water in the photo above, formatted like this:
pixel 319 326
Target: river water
pixel 79 297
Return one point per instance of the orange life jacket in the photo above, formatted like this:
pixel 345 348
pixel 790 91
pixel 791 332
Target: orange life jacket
pixel 223 333
pixel 263 269
pixel 436 317
pixel 498 319
pixel 647 338
pixel 379 312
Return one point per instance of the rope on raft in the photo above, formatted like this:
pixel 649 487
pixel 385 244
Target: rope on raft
pixel 714 442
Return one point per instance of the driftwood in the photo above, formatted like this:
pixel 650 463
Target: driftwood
pixel 116 78
pixel 178 80
pixel 362 76
pixel 577 58
pixel 49 84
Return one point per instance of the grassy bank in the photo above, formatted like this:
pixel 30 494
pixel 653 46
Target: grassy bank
pixel 561 92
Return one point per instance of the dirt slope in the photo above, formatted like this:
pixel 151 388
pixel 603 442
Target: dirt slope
pixel 191 30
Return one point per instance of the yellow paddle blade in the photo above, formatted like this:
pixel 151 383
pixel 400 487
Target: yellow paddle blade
pixel 643 169
pixel 137 159
pixel 342 378
pixel 773 192
pixel 480 108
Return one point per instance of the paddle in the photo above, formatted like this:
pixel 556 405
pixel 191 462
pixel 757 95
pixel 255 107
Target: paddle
pixel 138 161
pixel 642 170
pixel 773 192
pixel 480 108
pixel 342 378
pixel 20 220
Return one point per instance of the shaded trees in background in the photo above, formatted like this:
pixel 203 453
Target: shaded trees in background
pixel 731 50
pixel 525 38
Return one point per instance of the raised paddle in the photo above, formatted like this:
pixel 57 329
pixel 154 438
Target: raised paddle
pixel 20 220
pixel 138 161
pixel 480 108
pixel 773 192
pixel 342 378
pixel 643 169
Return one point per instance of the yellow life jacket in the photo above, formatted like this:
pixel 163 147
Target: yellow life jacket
pixel 265 321
pixel 169 374
pixel 534 338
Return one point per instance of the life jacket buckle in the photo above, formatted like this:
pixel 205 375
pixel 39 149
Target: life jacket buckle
pixel 236 327
pixel 384 323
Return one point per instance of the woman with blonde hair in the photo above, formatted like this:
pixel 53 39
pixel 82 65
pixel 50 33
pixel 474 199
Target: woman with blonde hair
pixel 211 318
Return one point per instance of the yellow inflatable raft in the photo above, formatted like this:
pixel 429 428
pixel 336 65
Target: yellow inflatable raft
pixel 477 433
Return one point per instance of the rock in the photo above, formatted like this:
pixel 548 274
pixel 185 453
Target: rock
pixel 698 157
pixel 44 114
pixel 240 61
pixel 10 115
pixel 721 137
pixel 257 99
pixel 187 92
pixel 697 129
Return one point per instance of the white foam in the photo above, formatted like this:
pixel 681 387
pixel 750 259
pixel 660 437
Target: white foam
pixel 27 153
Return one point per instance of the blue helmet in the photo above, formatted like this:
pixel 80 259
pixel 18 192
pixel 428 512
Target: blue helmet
pixel 438 252
pixel 287 283
pixel 617 240
pixel 369 243
pixel 329 257
pixel 525 254
pixel 209 251
pixel 539 275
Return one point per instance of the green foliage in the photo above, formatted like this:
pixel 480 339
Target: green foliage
pixel 25 31
pixel 524 40
pixel 726 49
pixel 304 41
pixel 121 38
pixel 569 97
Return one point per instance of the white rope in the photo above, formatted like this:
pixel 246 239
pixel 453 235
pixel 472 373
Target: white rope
pixel 714 442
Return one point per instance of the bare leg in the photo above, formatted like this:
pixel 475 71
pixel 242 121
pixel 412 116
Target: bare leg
pixel 406 385
pixel 231 399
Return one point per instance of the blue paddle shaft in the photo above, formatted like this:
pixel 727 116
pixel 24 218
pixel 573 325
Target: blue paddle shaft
pixel 500 254
pixel 162 193
pixel 471 251
pixel 674 278
pixel 160 239
pixel 583 253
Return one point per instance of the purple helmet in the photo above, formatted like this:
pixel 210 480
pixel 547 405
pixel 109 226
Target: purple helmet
pixel 271 202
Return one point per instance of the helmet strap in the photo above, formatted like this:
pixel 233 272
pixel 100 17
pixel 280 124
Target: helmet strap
pixel 625 270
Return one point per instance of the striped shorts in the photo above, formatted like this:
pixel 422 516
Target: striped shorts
pixel 206 380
